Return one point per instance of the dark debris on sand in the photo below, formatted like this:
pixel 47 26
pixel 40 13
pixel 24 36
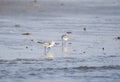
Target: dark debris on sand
pixel 17 25
pixel 118 37
pixel 26 33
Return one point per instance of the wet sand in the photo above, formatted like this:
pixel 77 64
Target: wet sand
pixel 93 47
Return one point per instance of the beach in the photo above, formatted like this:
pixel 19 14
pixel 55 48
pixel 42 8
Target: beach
pixel 93 47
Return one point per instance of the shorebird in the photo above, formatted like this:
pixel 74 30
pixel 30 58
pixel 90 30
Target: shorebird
pixel 47 45
pixel 64 38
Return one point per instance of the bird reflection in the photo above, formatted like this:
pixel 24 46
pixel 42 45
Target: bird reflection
pixel 64 38
pixel 65 50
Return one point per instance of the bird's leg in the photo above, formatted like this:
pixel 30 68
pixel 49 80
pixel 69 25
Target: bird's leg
pixel 45 50
pixel 65 49
pixel 48 49
pixel 62 45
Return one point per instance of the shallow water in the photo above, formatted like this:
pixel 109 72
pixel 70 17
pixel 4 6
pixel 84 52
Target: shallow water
pixel 93 55
pixel 58 69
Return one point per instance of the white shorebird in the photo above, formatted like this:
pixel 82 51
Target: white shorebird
pixel 64 38
pixel 46 44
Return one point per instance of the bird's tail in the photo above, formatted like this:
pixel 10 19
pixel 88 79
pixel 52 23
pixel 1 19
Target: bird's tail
pixel 34 41
pixel 39 42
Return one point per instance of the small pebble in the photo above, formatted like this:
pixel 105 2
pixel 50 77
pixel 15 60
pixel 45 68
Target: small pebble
pixel 74 50
pixel 35 1
pixel 62 4
pixel 102 48
pixel 84 29
pixel 118 37
pixel 26 47
pixel 69 43
pixel 80 53
pixel 104 53
pixel 32 40
pixel 83 52
pixel 17 25
pixel 69 32
pixel 96 17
